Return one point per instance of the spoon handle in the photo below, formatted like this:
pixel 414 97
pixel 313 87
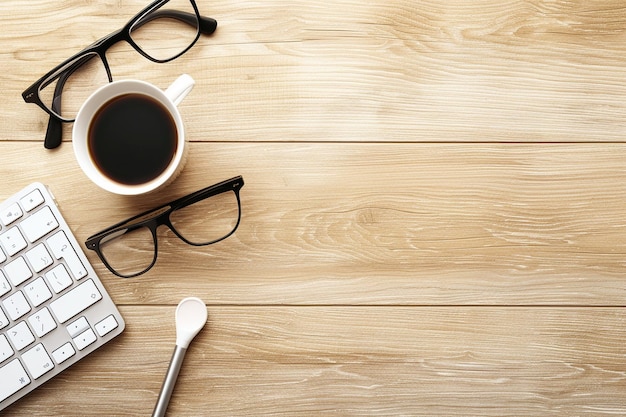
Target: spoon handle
pixel 169 382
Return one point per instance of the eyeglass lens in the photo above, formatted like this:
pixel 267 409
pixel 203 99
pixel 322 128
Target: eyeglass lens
pixel 161 34
pixel 207 221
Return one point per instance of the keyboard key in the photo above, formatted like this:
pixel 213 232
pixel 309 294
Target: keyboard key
pixel 37 292
pixel 61 248
pixel 77 327
pixel 39 224
pixel 18 271
pixel 32 200
pixel 37 361
pixel 16 305
pixel 42 322
pixel 5 349
pixel 20 335
pixel 5 287
pixel 11 214
pixel 13 241
pixel 4 321
pixel 85 339
pixel 39 258
pixel 106 326
pixel 75 301
pixel 13 377
pixel 63 353
pixel 58 278
pixel 53 308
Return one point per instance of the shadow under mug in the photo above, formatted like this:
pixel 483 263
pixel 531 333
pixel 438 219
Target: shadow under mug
pixel 129 138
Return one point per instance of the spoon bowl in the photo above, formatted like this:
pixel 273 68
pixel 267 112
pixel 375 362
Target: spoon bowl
pixel 191 316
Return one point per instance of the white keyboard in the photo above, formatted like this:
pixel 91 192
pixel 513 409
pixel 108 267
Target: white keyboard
pixel 54 310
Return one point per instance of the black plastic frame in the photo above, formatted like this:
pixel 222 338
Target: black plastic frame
pixel 64 70
pixel 160 216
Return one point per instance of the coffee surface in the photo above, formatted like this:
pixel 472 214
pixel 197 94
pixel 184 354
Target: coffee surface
pixel 132 139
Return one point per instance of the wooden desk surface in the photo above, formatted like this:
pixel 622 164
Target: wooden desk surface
pixel 434 215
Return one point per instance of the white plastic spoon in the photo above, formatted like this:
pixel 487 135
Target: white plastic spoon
pixel 191 316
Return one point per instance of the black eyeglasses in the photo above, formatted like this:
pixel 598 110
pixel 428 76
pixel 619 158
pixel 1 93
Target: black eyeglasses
pixel 207 216
pixel 161 32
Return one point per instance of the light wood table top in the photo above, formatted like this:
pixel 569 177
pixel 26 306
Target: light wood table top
pixel 434 214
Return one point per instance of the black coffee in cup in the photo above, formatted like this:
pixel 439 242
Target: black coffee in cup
pixel 132 138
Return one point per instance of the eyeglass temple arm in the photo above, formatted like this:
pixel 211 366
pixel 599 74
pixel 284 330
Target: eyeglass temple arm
pixel 233 184
pixel 54 132
pixel 207 26
pixel 131 224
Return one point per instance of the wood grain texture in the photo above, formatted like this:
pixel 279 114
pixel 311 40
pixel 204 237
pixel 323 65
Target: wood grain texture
pixel 433 210
pixel 358 71
pixel 412 224
pixel 358 361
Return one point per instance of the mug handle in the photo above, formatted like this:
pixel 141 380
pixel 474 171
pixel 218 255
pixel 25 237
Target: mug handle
pixel 179 89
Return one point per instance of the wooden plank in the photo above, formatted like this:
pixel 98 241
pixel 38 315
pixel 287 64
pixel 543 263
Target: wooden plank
pixel 357 71
pixel 359 361
pixel 414 224
pixel 433 216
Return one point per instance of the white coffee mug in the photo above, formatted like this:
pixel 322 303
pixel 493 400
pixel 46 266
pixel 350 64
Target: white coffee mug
pixel 129 138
